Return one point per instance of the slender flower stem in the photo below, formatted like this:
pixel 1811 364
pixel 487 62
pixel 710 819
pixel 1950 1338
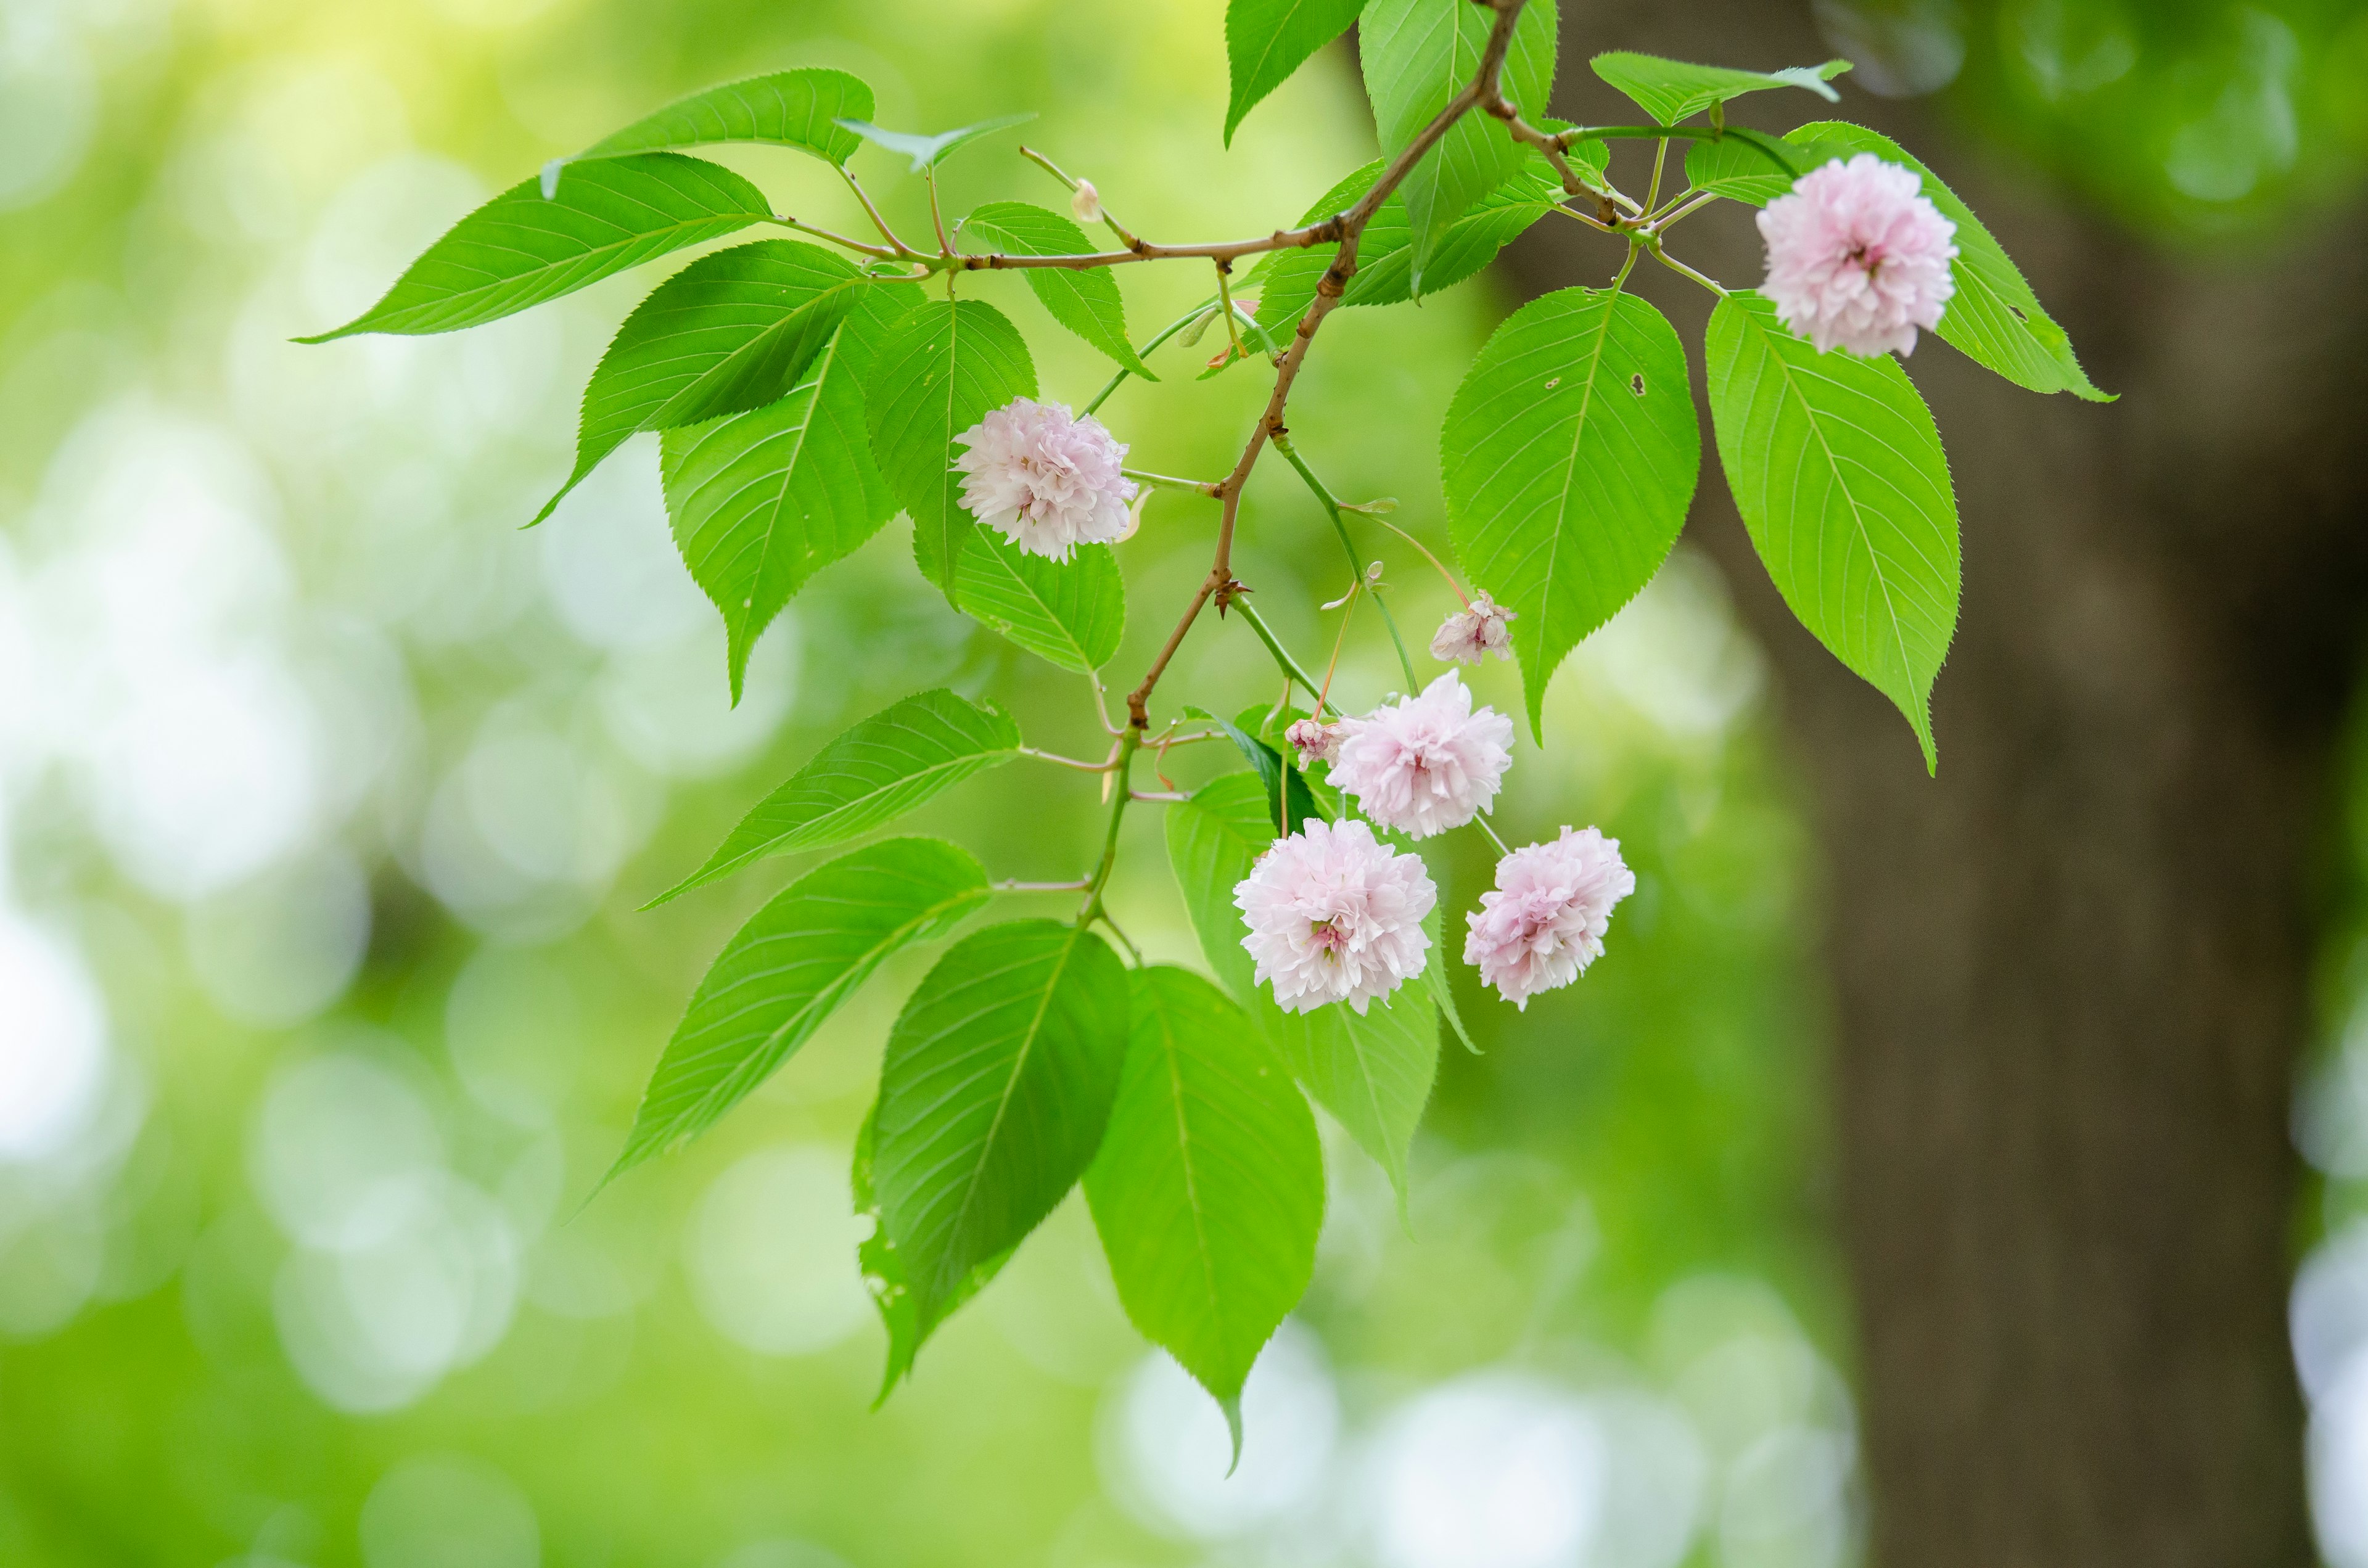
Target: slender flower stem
pixel 1166 482
pixel 1071 761
pixel 1481 818
pixel 1484 90
pixel 1339 640
pixel 1664 224
pixel 1653 192
pixel 1080 885
pixel 1226 306
pixel 937 219
pixel 1290 666
pixel 1092 907
pixel 1331 504
pixel 878 222
pixel 862 247
pixel 1673 265
pixel 1162 336
pixel 1161 795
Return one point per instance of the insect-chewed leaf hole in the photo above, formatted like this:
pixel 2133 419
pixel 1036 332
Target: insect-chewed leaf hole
pixel 1636 383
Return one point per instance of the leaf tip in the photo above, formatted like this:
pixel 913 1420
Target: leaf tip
pixel 1232 1407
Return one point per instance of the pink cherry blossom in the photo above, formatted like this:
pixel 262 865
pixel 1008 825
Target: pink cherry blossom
pixel 1426 764
pixel 1313 740
pixel 1474 632
pixel 1085 202
pixel 1544 924
pixel 1857 257
pixel 1044 481
pixel 1335 915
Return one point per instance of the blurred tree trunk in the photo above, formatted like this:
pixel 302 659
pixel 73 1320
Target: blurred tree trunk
pixel 2070 974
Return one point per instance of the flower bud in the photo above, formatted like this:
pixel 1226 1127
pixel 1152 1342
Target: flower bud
pixel 1085 202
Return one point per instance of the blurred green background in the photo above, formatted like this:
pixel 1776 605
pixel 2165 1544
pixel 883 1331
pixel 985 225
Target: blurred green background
pixel 327 796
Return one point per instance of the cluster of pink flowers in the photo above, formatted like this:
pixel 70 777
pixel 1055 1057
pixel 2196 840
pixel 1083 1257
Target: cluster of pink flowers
pixel 1858 258
pixel 1046 482
pixel 1336 915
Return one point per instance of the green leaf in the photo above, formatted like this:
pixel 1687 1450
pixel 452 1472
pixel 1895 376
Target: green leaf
pixel 1209 1189
pixel 1418 55
pixel 1837 471
pixel 1266 762
pixel 1072 613
pixel 884 1268
pixel 786 108
pixel 732 331
pixel 1994 318
pixel 928 151
pixel 907 752
pixel 1569 457
pixel 1266 40
pixel 1746 166
pixel 942 370
pixel 761 501
pixel 1085 301
pixel 786 970
pixel 1287 280
pixel 519 249
pixel 994 1094
pixel 1670 90
pixel 1371 1070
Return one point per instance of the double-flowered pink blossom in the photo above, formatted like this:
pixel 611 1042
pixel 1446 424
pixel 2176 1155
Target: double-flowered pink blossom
pixel 1426 764
pixel 1044 481
pixel 1313 740
pixel 1335 915
pixel 1856 256
pixel 1545 921
pixel 1472 633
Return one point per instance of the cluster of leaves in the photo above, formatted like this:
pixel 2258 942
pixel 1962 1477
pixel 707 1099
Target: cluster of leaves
pixel 804 396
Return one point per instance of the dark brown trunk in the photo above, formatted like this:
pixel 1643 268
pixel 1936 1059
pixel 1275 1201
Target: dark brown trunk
pixel 2070 973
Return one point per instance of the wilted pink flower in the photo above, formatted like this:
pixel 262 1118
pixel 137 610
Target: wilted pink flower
pixel 1335 915
pixel 1474 631
pixel 1856 256
pixel 1315 740
pixel 1545 921
pixel 1425 764
pixel 1043 481
pixel 1085 202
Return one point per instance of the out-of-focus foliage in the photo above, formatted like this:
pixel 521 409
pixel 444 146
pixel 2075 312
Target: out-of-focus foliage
pixel 2200 117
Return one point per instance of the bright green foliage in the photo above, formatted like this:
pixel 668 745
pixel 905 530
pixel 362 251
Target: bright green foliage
pixel 998 1079
pixel 884 1269
pixel 732 331
pixel 1371 1070
pixel 1072 613
pixel 1419 54
pixel 1266 40
pixel 1384 262
pixel 1287 804
pixel 1670 90
pixel 1993 318
pixel 788 969
pixel 892 762
pixel 1569 457
pixel 1837 471
pixel 784 109
pixel 942 370
pixel 522 248
pixel 1209 1189
pixel 761 501
pixel 1747 166
pixel 1085 301
pixel 927 151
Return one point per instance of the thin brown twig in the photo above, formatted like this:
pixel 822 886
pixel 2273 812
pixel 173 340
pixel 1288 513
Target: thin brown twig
pixel 1484 89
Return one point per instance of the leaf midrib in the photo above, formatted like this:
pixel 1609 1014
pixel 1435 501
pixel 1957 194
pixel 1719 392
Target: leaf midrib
pixel 1858 521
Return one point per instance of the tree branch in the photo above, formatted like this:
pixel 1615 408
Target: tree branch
pixel 1485 88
